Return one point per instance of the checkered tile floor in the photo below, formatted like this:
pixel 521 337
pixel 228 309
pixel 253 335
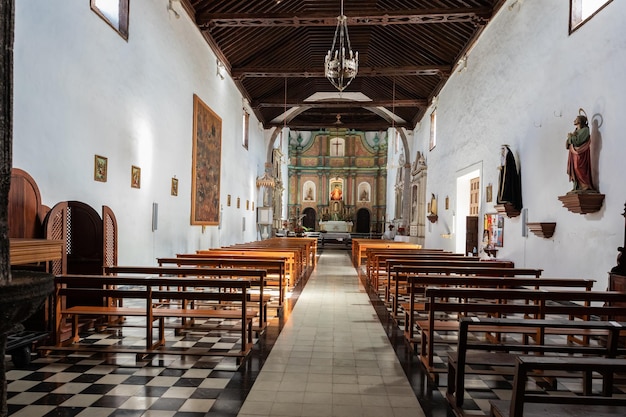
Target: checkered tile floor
pixel 95 385
pixel 479 389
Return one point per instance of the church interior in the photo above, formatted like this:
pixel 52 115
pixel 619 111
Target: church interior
pixel 471 137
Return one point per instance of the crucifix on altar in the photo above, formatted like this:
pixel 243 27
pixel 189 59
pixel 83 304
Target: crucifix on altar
pixel 337 147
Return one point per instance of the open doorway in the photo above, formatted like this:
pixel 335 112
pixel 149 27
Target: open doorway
pixel 467 205
pixel 363 221
pixel 310 218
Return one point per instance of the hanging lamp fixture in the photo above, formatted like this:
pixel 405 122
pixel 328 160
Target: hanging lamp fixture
pixel 341 64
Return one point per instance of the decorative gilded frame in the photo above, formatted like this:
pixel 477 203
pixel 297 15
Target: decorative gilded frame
pixel 135 177
pixel 174 187
pixel 100 167
pixel 206 165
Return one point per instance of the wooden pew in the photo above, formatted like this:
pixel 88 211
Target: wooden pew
pixel 294 266
pixel 524 403
pixel 256 277
pixel 376 260
pixel 149 291
pixel 477 355
pixel 359 246
pixel 453 302
pixel 417 285
pixel 273 267
pixel 402 270
pixel 307 247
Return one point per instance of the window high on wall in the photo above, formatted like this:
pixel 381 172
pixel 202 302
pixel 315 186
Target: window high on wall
pixel 246 129
pixel 114 12
pixel 433 130
pixel 583 10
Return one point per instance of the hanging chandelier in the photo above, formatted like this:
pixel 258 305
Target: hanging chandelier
pixel 341 64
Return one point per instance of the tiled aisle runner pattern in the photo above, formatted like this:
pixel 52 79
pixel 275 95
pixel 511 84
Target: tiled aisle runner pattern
pixel 333 357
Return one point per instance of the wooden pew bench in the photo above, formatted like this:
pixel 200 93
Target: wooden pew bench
pixel 375 257
pixel 256 277
pixel 274 268
pixel 359 246
pixel 476 355
pixel 376 269
pixel 294 266
pixel 304 249
pixel 144 294
pixel 399 272
pixel 445 307
pixel 524 403
pixel 417 285
pixel 307 246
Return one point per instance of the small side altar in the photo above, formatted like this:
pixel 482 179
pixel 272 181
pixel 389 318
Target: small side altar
pixel 336 226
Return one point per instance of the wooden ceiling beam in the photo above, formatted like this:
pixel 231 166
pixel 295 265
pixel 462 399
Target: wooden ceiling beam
pixel 426 70
pixel 209 21
pixel 365 126
pixel 341 104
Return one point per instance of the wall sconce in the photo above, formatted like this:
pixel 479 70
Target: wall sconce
pixel 220 69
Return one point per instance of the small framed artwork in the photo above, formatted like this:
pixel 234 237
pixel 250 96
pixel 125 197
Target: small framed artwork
pixel 238 202
pixel 100 168
pixel 174 190
pixel 252 209
pixel 228 200
pixel 447 202
pixel 135 177
pixel 247 204
pixel 493 231
pixel 489 194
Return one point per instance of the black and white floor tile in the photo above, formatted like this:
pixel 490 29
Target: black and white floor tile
pixel 111 385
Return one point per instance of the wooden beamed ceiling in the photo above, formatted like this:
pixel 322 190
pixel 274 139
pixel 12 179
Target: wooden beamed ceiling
pixel 274 50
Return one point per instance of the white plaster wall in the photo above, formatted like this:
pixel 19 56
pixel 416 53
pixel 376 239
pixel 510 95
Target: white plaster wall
pixel 81 90
pixel 525 81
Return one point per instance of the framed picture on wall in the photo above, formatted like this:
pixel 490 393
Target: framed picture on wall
pixel 206 164
pixel 100 168
pixel 493 232
pixel 135 176
pixel 174 190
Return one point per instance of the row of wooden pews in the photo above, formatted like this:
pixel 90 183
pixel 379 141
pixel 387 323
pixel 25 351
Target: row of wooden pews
pixel 489 314
pixel 236 284
pixel 301 254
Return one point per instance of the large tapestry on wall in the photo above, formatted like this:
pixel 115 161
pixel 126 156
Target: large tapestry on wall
pixel 206 164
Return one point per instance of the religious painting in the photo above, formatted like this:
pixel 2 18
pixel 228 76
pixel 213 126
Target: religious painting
pixel 135 177
pixel 206 164
pixel 493 231
pixel 100 168
pixel 174 187
pixel 336 190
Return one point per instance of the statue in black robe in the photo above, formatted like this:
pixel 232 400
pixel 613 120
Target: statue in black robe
pixel 510 184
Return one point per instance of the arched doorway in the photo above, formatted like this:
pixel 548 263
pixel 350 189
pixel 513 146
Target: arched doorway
pixel 363 221
pixel 310 218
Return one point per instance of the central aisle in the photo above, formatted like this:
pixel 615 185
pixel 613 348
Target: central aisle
pixel 333 357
